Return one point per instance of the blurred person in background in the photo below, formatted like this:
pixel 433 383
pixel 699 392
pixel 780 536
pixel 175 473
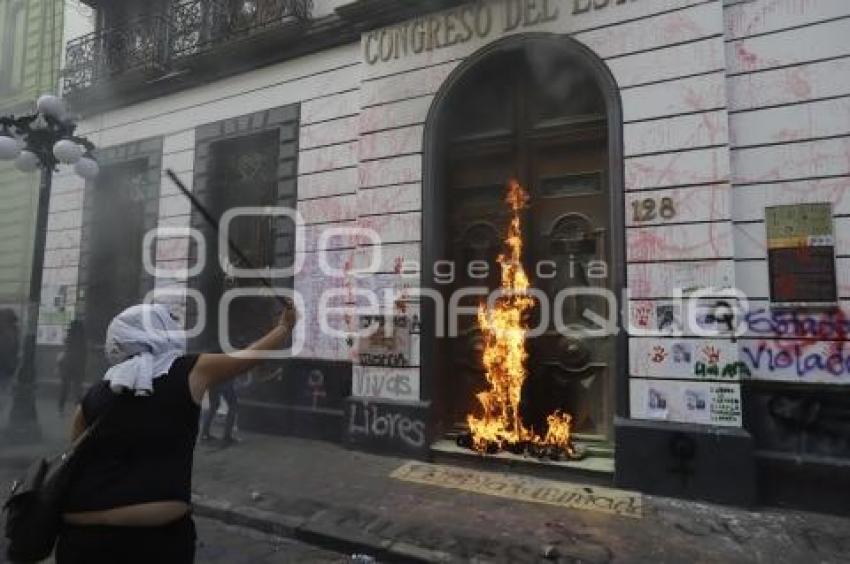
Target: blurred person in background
pixel 9 344
pixel 129 500
pixel 72 364
pixel 228 392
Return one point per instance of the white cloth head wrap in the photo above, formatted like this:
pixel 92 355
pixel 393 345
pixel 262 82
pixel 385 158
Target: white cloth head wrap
pixel 141 345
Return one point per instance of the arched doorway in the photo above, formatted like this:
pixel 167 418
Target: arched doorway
pixel 544 110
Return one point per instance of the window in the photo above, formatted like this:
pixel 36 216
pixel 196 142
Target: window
pixel 13 27
pixel 114 242
pixel 245 175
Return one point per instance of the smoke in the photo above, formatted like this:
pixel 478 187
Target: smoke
pixel 562 81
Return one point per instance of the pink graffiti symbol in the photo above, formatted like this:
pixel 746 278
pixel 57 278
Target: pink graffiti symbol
pixel 712 354
pixel 642 313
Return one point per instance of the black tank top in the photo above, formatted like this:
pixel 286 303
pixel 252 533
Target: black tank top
pixel 142 452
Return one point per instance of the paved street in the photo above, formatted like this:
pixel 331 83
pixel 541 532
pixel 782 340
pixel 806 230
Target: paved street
pixel 321 494
pixel 224 544
pixel 219 543
pixel 320 490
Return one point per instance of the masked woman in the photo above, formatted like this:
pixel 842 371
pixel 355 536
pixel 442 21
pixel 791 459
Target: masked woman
pixel 130 495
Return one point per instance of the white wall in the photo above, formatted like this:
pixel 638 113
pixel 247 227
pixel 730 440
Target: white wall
pixel 788 79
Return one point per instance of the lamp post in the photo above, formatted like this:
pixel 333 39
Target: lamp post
pixel 42 140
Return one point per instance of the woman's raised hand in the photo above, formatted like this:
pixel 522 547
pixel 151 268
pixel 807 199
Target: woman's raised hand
pixel 289 317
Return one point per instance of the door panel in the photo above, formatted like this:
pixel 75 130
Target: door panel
pixel 543 125
pixel 569 232
pixel 477 223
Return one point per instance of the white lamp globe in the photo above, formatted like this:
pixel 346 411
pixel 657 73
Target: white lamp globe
pixel 68 152
pixel 87 168
pixel 51 105
pixel 27 161
pixel 10 147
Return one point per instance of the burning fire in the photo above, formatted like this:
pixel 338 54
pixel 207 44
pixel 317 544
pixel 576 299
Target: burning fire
pixel 504 331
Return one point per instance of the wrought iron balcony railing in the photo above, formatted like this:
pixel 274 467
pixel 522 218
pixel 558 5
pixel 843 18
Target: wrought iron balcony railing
pixel 97 56
pixel 188 28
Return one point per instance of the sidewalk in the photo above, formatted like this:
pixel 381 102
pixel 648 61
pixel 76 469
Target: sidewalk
pixel 55 431
pixel 347 500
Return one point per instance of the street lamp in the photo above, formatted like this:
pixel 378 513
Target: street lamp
pixel 42 140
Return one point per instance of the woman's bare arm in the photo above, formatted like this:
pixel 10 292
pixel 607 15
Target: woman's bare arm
pixel 78 424
pixel 214 369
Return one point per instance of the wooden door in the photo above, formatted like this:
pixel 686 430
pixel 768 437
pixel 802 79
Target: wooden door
pixel 541 122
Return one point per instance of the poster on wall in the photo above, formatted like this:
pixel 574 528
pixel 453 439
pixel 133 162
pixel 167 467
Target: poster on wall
pixel 801 253
pixel 387 340
pixel 56 312
pixel 705 403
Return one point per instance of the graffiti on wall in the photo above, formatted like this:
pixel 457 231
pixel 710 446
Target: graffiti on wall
pixel 385 383
pixel 387 426
pixel 698 359
pixel 792 345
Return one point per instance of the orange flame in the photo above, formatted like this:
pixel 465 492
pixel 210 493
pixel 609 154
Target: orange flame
pixel 504 356
pixel 558 433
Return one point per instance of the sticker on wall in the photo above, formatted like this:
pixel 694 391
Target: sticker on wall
pixel 705 403
pixel 725 404
pixel 669 318
pixel 657 403
pixel 683 353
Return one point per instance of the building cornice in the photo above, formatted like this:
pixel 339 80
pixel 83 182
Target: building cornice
pixel 366 15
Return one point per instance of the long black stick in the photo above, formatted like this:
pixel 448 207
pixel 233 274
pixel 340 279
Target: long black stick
pixel 199 207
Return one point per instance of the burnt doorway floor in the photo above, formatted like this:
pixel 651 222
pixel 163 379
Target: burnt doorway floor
pixel 597 467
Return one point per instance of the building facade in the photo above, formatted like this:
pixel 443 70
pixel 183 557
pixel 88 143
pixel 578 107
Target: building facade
pixel 29 66
pixel 688 157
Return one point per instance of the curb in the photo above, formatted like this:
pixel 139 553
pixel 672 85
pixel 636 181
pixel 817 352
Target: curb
pixel 300 529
